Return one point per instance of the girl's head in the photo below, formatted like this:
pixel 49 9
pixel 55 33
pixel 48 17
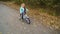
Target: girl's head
pixel 23 5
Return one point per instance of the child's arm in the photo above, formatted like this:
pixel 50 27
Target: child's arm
pixel 21 10
pixel 27 10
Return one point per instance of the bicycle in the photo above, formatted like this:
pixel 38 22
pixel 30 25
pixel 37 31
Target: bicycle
pixel 26 19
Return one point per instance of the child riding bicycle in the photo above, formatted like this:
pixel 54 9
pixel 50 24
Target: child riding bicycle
pixel 23 10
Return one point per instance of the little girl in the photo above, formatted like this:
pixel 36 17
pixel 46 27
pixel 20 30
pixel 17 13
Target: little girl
pixel 23 10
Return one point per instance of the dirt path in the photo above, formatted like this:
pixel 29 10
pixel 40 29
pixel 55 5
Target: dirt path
pixel 10 23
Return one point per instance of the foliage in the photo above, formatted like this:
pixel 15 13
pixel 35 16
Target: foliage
pixel 52 4
pixel 5 0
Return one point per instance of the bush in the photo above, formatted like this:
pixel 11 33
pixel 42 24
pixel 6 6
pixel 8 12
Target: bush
pixel 5 0
pixel 52 4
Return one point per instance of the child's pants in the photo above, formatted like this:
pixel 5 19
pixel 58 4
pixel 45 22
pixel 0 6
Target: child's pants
pixel 22 15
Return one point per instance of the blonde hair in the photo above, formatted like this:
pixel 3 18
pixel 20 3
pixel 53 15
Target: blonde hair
pixel 22 4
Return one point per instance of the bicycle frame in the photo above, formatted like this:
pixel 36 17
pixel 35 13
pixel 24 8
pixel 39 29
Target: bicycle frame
pixel 26 19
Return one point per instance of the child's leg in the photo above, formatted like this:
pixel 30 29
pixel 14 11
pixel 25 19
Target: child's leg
pixel 22 15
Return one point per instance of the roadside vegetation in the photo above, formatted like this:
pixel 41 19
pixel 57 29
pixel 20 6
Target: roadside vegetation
pixel 46 4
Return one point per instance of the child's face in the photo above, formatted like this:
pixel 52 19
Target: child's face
pixel 23 5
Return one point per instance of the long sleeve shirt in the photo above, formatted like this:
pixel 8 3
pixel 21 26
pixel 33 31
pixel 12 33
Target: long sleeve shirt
pixel 22 10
